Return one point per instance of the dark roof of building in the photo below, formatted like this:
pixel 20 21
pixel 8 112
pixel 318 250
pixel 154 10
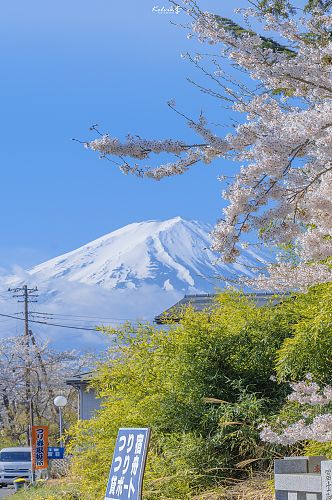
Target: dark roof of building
pixel 206 301
pixel 80 380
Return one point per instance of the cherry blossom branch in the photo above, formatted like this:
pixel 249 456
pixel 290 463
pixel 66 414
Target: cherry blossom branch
pixel 283 140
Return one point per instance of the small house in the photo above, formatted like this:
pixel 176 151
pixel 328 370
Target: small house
pixel 88 401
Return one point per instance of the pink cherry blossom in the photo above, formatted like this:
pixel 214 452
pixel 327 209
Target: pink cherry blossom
pixel 283 144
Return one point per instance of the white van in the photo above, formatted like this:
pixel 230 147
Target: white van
pixel 14 462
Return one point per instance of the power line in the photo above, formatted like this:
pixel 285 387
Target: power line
pixel 30 293
pixel 97 328
pixel 83 316
pixel 87 323
pixel 88 317
pixel 50 324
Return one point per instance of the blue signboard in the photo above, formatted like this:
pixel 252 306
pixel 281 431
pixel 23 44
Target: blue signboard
pixel 55 452
pixel 126 474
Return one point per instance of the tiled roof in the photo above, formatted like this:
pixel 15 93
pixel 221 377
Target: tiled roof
pixel 204 301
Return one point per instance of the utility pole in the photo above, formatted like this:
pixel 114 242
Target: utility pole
pixel 28 295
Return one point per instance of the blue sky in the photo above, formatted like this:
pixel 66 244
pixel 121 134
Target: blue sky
pixel 66 65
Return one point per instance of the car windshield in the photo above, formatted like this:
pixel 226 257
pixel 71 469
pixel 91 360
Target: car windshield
pixel 15 456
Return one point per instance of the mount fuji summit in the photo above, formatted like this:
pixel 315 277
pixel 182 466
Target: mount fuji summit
pixel 133 273
pixel 173 255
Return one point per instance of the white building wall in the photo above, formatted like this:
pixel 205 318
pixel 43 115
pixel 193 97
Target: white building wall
pixel 88 403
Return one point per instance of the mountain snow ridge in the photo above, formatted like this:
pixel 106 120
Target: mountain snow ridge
pixel 172 254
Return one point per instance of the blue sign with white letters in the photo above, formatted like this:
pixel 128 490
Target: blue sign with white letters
pixel 126 475
pixel 55 452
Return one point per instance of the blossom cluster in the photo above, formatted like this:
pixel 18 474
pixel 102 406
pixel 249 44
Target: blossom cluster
pixel 284 144
pixel 135 147
pixel 281 276
pixel 320 429
pixel 317 427
pixel 308 392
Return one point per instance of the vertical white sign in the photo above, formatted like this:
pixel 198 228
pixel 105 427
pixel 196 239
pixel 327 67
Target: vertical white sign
pixel 127 469
pixel 326 468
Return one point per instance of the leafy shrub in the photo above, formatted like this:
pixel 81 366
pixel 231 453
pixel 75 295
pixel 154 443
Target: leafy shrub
pixel 305 355
pixel 308 349
pixel 202 386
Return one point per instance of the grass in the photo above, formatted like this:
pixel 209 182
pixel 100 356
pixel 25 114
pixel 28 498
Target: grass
pixel 50 490
pixel 253 489
pixel 258 488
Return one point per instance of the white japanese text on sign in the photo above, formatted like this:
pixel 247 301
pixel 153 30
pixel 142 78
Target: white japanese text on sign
pixel 126 475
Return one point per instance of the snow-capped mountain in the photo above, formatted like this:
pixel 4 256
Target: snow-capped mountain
pixel 133 273
pixel 173 254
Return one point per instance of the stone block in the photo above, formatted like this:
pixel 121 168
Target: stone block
pixel 308 483
pixel 291 466
pixel 313 462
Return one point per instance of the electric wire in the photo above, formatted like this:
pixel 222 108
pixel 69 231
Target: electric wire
pixel 49 317
pixel 73 327
pixel 84 316
pixel 72 317
pixel 52 324
pixel 53 319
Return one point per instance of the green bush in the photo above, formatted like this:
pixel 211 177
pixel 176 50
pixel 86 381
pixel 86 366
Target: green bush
pixel 308 350
pixel 202 386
